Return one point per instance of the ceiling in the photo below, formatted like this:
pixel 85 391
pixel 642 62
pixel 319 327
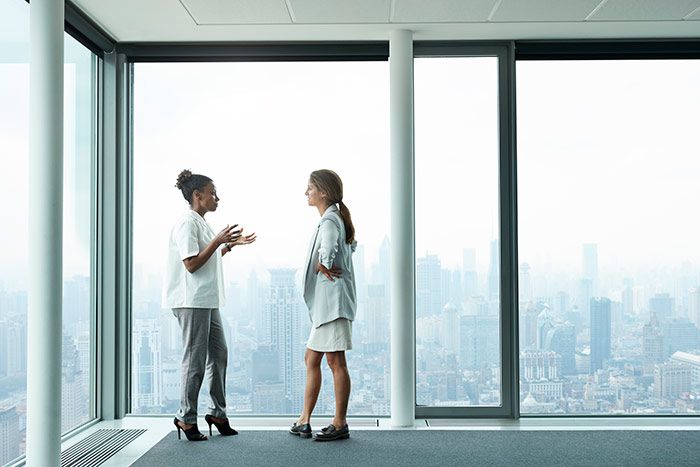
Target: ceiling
pixel 289 20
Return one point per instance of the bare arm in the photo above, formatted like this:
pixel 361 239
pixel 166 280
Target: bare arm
pixel 228 234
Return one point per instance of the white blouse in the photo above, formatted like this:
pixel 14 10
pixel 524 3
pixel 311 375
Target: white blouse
pixel 203 288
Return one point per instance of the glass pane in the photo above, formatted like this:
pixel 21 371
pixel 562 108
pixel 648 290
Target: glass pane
pixel 458 360
pixel 14 147
pixel 79 155
pixel 608 173
pixel 258 130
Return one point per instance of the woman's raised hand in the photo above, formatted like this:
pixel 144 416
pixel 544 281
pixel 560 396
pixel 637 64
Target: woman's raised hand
pixel 243 240
pixel 228 234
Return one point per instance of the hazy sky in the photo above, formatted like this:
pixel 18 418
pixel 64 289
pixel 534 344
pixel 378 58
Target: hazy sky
pixel 607 154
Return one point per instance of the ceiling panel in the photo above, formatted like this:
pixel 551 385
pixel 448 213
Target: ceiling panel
pixel 644 10
pixel 237 11
pixel 340 11
pixel 441 11
pixel 544 10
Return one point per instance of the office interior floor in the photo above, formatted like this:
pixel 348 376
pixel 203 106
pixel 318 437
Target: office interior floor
pixel 158 426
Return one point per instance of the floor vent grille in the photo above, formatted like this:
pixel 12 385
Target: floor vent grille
pixel 98 447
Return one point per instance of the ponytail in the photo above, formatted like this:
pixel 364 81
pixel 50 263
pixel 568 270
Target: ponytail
pixel 347 220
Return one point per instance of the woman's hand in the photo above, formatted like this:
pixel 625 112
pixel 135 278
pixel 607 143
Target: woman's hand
pixel 331 273
pixel 243 240
pixel 227 235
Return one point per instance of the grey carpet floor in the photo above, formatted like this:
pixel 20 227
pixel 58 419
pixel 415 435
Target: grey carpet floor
pixel 431 447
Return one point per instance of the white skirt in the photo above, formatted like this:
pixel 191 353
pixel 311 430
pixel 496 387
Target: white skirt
pixel 335 336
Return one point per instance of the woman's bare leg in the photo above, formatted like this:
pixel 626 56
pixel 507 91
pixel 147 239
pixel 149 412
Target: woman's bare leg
pixel 341 385
pixel 313 384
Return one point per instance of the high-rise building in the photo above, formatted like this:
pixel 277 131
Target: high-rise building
pixel 449 329
pixel 9 434
pixel 528 331
pixel 679 334
pixel 470 278
pixel 562 340
pixel 377 318
pixel 287 334
pixel 628 296
pixel 652 345
pixel 74 408
pixel 694 306
pixel 671 380
pixel 428 286
pixel 146 366
pixel 600 332
pixel 589 266
pixel 545 322
pixel 662 304
pixel 561 304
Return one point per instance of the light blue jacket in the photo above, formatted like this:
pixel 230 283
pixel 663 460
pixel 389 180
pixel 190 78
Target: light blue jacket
pixel 329 300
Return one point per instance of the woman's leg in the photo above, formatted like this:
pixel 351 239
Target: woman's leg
pixel 341 386
pixel 217 359
pixel 313 384
pixel 194 323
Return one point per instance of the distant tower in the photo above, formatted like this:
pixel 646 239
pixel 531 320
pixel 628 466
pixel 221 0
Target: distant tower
pixel 600 332
pixel 283 317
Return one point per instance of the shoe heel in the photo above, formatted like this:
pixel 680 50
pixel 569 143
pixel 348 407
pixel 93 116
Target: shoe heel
pixel 210 434
pixel 178 428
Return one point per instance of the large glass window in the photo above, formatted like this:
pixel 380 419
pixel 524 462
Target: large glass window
pixel 77 370
pixel 608 170
pixel 458 361
pixel 258 130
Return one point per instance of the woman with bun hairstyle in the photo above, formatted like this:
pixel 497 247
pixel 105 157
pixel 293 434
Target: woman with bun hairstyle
pixel 329 293
pixel 194 290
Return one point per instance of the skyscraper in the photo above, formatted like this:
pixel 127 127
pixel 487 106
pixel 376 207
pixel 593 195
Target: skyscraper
pixel 377 316
pixel 146 366
pixel 589 269
pixel 428 286
pixel 469 275
pixel 9 434
pixel 562 340
pixel 600 332
pixel 662 304
pixel 283 317
pixel 652 345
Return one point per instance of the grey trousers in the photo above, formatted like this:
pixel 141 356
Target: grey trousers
pixel 205 348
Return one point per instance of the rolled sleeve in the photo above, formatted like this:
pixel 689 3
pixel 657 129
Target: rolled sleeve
pixel 185 237
pixel 328 233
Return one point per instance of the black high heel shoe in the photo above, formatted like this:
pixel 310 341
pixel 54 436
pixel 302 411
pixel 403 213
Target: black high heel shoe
pixel 224 428
pixel 192 433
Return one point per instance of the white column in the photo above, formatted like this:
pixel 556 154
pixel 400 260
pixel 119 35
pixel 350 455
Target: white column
pixel 403 316
pixel 45 233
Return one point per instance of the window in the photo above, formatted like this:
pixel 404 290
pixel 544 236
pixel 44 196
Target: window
pixel 457 250
pixel 79 154
pixel 258 130
pixel 608 170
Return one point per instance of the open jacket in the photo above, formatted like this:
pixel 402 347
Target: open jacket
pixel 329 300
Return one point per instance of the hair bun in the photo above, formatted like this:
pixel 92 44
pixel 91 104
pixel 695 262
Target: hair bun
pixel 183 178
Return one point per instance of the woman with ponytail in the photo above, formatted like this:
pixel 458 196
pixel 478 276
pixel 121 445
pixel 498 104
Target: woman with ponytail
pixel 329 293
pixel 194 290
